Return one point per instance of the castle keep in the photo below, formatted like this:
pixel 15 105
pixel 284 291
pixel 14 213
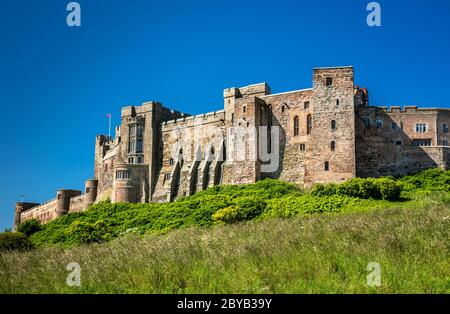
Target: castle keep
pixel 327 133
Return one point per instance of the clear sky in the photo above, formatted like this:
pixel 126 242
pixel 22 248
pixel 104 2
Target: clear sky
pixel 57 83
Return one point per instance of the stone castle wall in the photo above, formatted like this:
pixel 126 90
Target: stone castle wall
pixel 386 136
pixel 326 133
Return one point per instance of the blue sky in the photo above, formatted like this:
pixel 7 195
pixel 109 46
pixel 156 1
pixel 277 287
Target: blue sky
pixel 57 83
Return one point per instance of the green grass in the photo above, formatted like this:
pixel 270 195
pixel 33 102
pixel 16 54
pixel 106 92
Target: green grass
pixel 318 254
pixel 267 237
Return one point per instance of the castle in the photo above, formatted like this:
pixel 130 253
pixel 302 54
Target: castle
pixel 327 133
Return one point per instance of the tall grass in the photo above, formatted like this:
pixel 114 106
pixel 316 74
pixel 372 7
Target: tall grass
pixel 267 237
pixel 318 254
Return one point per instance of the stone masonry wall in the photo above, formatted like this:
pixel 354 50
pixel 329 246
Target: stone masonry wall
pixel 327 133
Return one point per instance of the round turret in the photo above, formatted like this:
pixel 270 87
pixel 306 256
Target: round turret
pixel 90 192
pixel 123 189
pixel 21 207
pixel 62 202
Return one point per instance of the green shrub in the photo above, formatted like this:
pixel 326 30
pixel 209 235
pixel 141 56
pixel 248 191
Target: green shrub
pixel 10 241
pixel 433 179
pixel 243 208
pixel 307 204
pixel 389 189
pixel 359 187
pixel 323 190
pixel 228 214
pixel 366 188
pixel 29 227
pixel 84 232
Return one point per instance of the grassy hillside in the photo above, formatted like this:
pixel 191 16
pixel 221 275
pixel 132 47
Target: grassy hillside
pixel 318 254
pixel 268 237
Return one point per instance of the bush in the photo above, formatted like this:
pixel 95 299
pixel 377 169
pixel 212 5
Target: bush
pixel 361 188
pixel 243 208
pixel 323 190
pixel 382 188
pixel 289 206
pixel 389 189
pixel 84 232
pixel 434 179
pixel 29 227
pixel 10 241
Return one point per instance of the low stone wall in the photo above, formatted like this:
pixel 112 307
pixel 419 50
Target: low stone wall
pixel 47 211
pixel 43 213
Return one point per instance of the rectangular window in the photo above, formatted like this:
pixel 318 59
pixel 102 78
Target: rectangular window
pixel 394 126
pixel 296 126
pixel 421 128
pixel 131 147
pixel 306 105
pixel 140 130
pixel 444 143
pixel 420 143
pixel 139 146
pixel 308 124
pixel 444 128
pixel 123 174
pixel 132 130
pixel 379 123
pixel 302 147
pixel 329 81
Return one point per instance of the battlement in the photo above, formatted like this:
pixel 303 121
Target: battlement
pixel 104 139
pixel 299 91
pixel 148 107
pixel 39 207
pixel 333 68
pixel 410 109
pixel 258 89
pixel 190 121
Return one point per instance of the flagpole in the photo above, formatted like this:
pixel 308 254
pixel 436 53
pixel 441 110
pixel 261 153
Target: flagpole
pixel 109 125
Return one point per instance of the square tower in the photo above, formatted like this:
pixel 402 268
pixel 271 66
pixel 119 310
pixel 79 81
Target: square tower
pixel 331 154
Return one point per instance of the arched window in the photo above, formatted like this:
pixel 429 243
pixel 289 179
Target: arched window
pixel 308 124
pixel 296 126
pixel 130 160
pixel 244 109
pixel 171 161
pixel 282 108
pixel 212 150
pixel 327 166
pixel 333 125
pixel 139 160
pixel 337 102
pixel 333 145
